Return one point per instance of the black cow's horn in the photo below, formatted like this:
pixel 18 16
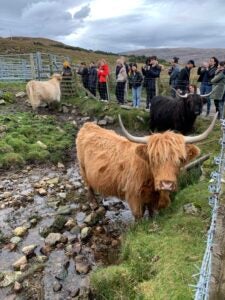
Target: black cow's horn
pixel 178 94
pixel 204 135
pixel 135 139
pixel 207 95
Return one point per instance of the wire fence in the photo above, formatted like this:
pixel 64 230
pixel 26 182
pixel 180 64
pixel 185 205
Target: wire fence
pixel 202 287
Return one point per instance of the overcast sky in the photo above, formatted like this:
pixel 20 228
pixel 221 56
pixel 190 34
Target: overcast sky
pixel 117 25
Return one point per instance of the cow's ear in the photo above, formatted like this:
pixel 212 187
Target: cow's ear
pixel 141 151
pixel 192 151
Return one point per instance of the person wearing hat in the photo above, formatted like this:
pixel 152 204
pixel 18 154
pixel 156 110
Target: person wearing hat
pixel 67 71
pixel 174 74
pixel 184 76
pixel 135 79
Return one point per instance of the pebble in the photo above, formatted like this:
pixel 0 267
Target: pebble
pixel 82 266
pixel 7 195
pixel 20 94
pixel 60 165
pixel 41 258
pixel 70 224
pixel 42 192
pixel 15 240
pixel 74 292
pixel 85 233
pixel 64 210
pixel 21 261
pixel 29 250
pixel 91 219
pixel 102 122
pixel 75 230
pixel 20 231
pixel 191 209
pixel 77 184
pixel 109 120
pixel 42 145
pixel 17 287
pixel 57 286
pixel 53 238
pixel 62 195
pixel 54 180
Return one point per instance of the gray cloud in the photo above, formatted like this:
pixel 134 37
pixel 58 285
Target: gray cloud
pixel 43 18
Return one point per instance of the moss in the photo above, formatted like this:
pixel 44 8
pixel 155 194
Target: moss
pixel 11 159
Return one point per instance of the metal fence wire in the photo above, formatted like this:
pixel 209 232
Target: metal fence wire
pixel 204 274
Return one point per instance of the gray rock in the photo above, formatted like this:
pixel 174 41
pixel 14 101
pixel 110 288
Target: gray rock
pixel 91 219
pixel 191 209
pixel 85 233
pixel 2 102
pixel 74 292
pixel 77 184
pixel 57 286
pixel 62 195
pixel 29 250
pixel 58 223
pixel 64 210
pixel 85 119
pixel 109 120
pixel 81 264
pixel 65 110
pixel 17 287
pixel 75 230
pixel 41 258
pixel 15 240
pixel 42 192
pixel 102 122
pixel 20 95
pixel 21 261
pixel 53 238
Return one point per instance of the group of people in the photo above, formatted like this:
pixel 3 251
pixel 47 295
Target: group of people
pixel 95 77
pixel 211 74
pixel 211 78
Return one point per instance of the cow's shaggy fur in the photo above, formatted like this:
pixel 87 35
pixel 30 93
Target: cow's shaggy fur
pixel 114 166
pixel 44 91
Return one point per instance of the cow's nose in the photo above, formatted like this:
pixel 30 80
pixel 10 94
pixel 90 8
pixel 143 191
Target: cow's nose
pixel 167 185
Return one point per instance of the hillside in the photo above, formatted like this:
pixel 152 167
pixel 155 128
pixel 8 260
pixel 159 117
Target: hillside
pixel 20 45
pixel 197 54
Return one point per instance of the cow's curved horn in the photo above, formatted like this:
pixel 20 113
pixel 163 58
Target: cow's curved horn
pixel 178 94
pixel 207 95
pixel 135 139
pixel 204 135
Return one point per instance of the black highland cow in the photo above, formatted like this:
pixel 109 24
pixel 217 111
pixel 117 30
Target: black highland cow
pixel 178 114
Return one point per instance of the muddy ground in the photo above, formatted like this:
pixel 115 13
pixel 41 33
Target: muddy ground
pixel 51 236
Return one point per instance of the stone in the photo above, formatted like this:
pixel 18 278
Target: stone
pixel 74 292
pixel 46 250
pixel 101 211
pixel 53 238
pixel 85 119
pixel 29 250
pixel 109 120
pixel 191 209
pixel 65 110
pixel 70 224
pixel 54 180
pixel 9 278
pixel 58 223
pixel 21 261
pixel 41 258
pixel 17 287
pixel 15 240
pixel 60 165
pixel 42 192
pixel 77 184
pixel 62 195
pixel 42 145
pixel 75 230
pixel 33 222
pixel 77 248
pixel 81 264
pixel 2 102
pixel 57 286
pixel 20 231
pixel 64 210
pixel 7 195
pixel 74 123
pixel 102 122
pixel 85 233
pixel 91 219
pixel 20 94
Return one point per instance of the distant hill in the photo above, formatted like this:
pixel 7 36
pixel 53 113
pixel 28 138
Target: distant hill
pixel 21 45
pixel 197 54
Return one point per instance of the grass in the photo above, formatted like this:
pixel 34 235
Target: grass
pixel 158 257
pixel 19 143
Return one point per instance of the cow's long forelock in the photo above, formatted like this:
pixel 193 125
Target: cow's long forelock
pixel 167 146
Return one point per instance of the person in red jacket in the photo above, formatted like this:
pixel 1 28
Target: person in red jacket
pixel 103 72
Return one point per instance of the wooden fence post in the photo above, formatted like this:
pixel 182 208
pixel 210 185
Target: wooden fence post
pixel 39 65
pixel 32 65
pixel 51 64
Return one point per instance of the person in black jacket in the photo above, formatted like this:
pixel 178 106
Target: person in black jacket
pixel 184 77
pixel 135 79
pixel 83 71
pixel 151 71
pixel 206 72
pixel 92 78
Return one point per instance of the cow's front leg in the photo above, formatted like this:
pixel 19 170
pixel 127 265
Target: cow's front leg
pixel 93 200
pixel 136 207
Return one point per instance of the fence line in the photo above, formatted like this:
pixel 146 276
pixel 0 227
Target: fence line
pixel 202 287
